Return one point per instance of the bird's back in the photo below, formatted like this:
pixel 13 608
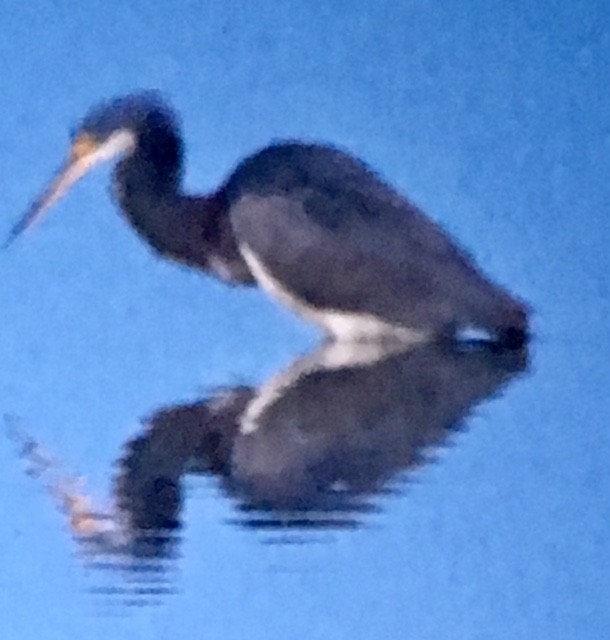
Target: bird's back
pixel 337 237
pixel 342 195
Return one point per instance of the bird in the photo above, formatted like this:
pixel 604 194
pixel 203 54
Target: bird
pixel 313 225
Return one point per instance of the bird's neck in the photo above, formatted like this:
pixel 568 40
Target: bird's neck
pixel 192 230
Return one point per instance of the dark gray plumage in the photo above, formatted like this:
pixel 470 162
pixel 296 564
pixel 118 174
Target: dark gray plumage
pixel 338 238
pixel 312 224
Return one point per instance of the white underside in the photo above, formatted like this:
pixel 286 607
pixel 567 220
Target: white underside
pixel 332 356
pixel 348 327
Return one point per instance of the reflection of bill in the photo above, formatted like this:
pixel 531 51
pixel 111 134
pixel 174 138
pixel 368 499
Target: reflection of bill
pixel 86 518
pixel 309 449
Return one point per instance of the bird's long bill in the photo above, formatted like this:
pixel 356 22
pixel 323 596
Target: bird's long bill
pixel 84 155
pixel 66 177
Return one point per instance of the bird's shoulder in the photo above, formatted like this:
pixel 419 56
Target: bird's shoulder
pixel 327 192
pixel 291 168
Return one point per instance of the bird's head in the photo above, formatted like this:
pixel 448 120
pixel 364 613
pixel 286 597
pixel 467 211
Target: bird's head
pixel 108 131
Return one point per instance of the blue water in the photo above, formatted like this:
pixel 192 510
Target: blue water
pixel 493 117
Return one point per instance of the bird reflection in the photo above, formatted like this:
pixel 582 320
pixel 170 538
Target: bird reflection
pixel 313 448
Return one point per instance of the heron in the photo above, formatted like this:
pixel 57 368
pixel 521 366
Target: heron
pixel 310 223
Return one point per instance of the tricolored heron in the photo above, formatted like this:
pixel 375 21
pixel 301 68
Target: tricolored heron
pixel 313 225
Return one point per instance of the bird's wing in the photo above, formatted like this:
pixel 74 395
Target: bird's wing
pixel 353 251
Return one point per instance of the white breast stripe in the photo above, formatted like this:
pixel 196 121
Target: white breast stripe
pixel 348 327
